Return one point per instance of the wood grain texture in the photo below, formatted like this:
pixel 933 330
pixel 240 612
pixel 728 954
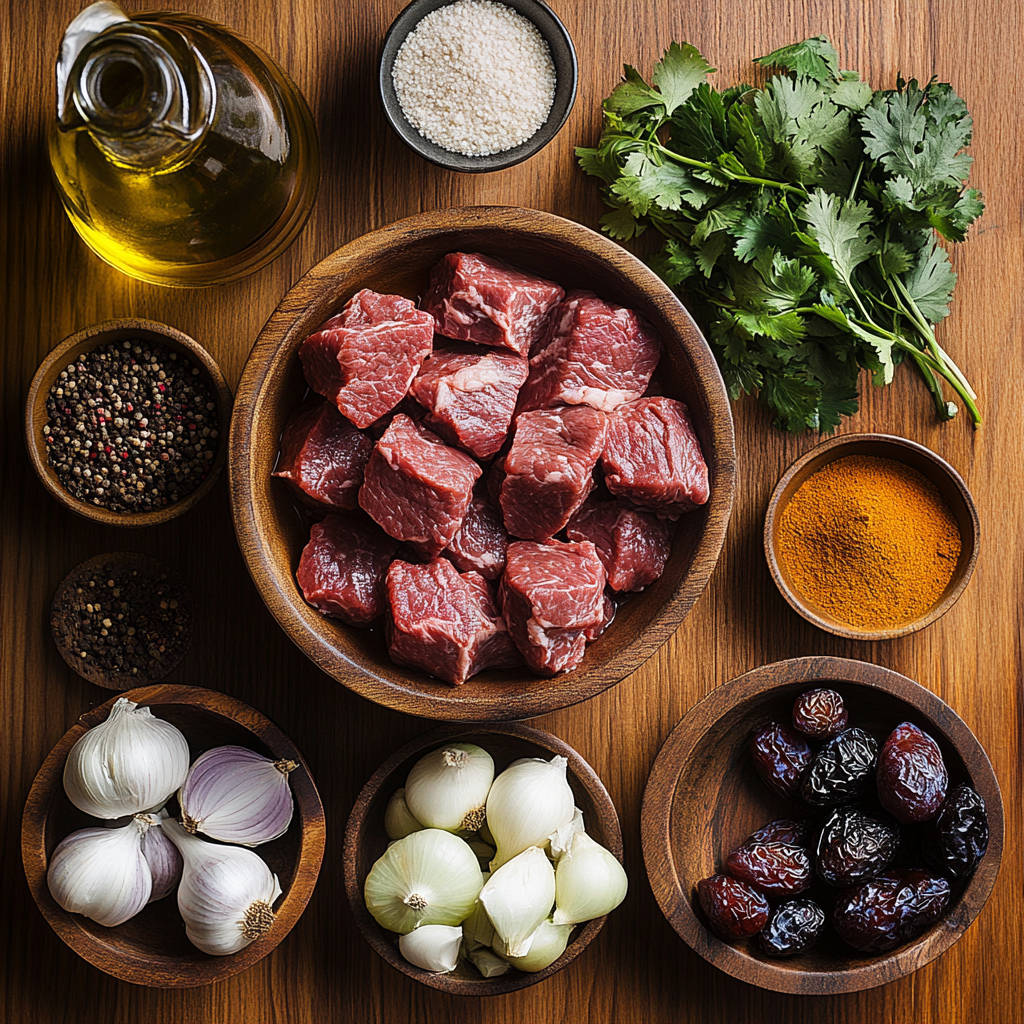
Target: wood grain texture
pixel 637 969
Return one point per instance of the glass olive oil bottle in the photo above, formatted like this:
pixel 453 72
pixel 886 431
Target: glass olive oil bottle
pixel 183 155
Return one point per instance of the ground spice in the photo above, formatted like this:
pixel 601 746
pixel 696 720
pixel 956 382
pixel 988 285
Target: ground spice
pixel 869 541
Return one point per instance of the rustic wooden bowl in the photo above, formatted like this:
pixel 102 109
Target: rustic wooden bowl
pixel 704 798
pixel 151 949
pixel 366 840
pixel 397 259
pixel 86 340
pixel 950 485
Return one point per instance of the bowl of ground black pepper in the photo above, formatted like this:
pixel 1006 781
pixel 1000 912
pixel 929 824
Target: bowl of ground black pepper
pixel 871 536
pixel 126 422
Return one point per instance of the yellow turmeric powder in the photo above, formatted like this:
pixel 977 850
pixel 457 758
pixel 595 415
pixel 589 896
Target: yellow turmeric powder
pixel 869 541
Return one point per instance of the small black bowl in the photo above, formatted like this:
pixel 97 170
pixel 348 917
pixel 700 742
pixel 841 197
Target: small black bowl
pixel 563 55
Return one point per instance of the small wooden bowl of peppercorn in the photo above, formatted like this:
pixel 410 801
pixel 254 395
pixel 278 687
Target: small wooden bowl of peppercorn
pixel 871 536
pixel 114 452
pixel 705 797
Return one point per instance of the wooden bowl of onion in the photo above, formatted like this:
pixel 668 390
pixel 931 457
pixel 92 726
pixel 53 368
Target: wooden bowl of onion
pixel 548 893
pixel 143 897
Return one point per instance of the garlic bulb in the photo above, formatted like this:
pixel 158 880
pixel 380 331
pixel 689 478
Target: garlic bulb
pixel 528 801
pixel 101 873
pixel 429 877
pixel 226 895
pixel 448 787
pixel 398 819
pixel 434 947
pixel 589 882
pixel 518 896
pixel 547 944
pixel 132 762
pixel 489 964
pixel 561 839
pixel 477 929
pixel 237 796
pixel 162 856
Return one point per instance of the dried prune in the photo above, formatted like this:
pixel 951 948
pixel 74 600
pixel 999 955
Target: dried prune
pixel 780 757
pixel 785 830
pixel 890 909
pixel 842 769
pixel 777 869
pixel 735 909
pixel 819 713
pixel 792 928
pixel 958 837
pixel 854 847
pixel 911 775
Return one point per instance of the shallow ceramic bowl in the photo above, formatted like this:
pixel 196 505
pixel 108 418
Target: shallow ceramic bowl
pixel 151 949
pixel 398 259
pixel 366 840
pixel 704 798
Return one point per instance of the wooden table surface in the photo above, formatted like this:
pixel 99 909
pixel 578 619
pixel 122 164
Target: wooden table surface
pixel 638 969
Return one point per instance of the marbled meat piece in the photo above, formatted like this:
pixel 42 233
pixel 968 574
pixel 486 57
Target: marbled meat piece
pixel 481 542
pixel 445 623
pixel 549 468
pixel 633 545
pixel 653 458
pixel 323 455
pixel 416 487
pixel 552 597
pixel 365 358
pixel 480 299
pixel 593 353
pixel 470 396
pixel 342 569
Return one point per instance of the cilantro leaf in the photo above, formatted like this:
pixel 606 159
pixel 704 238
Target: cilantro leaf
pixel 840 230
pixel 814 58
pixel 632 94
pixel 678 73
pixel 930 283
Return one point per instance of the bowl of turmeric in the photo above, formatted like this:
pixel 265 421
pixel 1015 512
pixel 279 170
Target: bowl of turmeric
pixel 871 536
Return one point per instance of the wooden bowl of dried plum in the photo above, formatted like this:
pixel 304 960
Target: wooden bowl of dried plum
pixel 820 826
pixel 452 467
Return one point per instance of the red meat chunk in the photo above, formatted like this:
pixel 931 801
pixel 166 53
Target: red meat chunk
pixel 481 542
pixel 445 623
pixel 593 353
pixel 470 396
pixel 416 487
pixel 552 597
pixel 633 546
pixel 549 468
pixel 608 614
pixel 653 457
pixel 365 358
pixel 480 299
pixel 324 455
pixel 342 568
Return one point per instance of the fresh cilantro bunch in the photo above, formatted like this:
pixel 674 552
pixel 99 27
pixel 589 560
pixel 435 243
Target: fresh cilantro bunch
pixel 804 214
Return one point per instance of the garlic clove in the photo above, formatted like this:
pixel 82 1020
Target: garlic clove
pixel 448 787
pixel 547 944
pixel 589 882
pixel 518 896
pixel 162 856
pixel 477 929
pixel 489 964
pixel 434 947
pixel 561 839
pixel 398 819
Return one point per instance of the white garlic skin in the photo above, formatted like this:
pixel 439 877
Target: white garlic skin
pixel 547 944
pixel 162 856
pixel 488 963
pixel 518 897
pixel 561 839
pixel 128 764
pixel 589 882
pixel 399 821
pixel 448 787
pixel 434 947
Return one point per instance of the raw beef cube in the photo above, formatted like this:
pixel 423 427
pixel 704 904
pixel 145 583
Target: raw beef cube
pixel 549 468
pixel 365 358
pixel 445 623
pixel 342 568
pixel 324 455
pixel 552 595
pixel 653 457
pixel 470 396
pixel 606 619
pixel 594 353
pixel 416 487
pixel 481 542
pixel 480 299
pixel 633 546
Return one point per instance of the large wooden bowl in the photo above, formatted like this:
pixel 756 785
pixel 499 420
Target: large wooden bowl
pixel 366 840
pixel 397 259
pixel 704 798
pixel 151 948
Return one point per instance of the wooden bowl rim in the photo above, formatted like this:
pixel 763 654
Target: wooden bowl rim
pixel 89 338
pixel 890 445
pixel 660 793
pixel 307 631
pixel 138 969
pixel 375 935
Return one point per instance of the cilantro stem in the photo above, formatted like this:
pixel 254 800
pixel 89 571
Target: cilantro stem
pixel 946 410
pixel 725 173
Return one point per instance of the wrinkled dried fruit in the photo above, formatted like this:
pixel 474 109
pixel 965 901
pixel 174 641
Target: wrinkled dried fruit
pixel 842 769
pixel 777 869
pixel 735 909
pixel 780 757
pixel 792 928
pixel 958 838
pixel 911 774
pixel 786 830
pixel 820 713
pixel 890 909
pixel 854 847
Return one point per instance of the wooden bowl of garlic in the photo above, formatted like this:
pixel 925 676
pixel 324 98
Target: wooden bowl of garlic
pixel 159 944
